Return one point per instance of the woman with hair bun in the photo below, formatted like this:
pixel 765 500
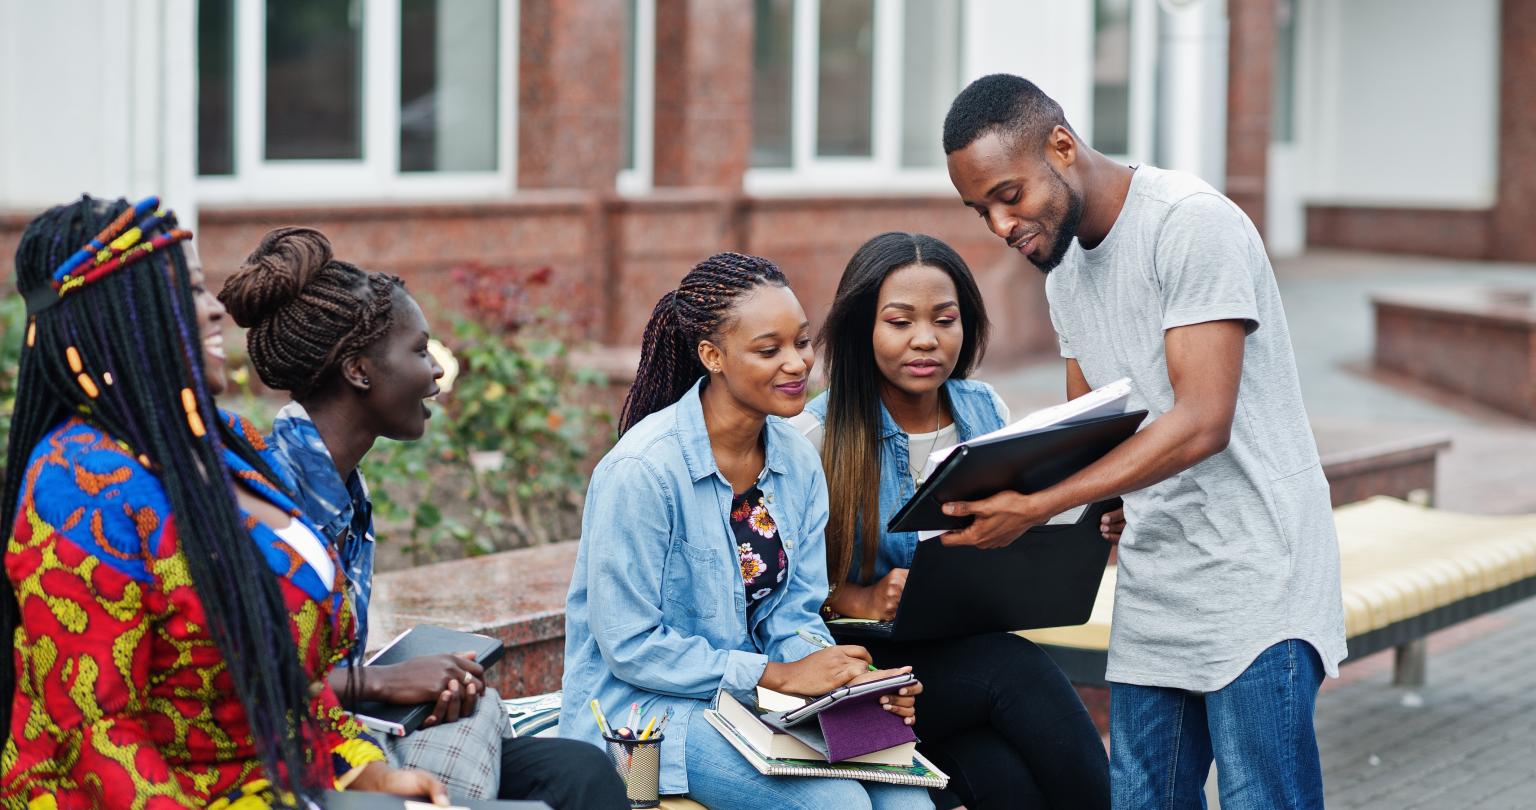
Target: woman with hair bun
pixel 350 347
pixel 172 616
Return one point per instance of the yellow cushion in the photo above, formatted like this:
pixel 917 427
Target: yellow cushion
pixel 680 803
pixel 1396 560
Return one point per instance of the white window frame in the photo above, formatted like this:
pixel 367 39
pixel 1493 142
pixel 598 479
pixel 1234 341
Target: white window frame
pixel 377 175
pixel 1142 115
pixel 882 171
pixel 638 178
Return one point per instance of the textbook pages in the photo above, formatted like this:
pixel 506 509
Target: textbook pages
pixel 1109 400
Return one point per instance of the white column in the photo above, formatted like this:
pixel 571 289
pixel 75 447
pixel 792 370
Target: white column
pixel 1192 85
pixel 68 126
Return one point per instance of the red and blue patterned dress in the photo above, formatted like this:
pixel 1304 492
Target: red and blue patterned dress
pixel 123 700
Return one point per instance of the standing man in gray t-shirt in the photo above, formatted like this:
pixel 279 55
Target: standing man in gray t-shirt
pixel 1227 609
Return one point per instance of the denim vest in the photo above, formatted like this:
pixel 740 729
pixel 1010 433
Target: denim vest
pixel 656 613
pixel 342 509
pixel 976 409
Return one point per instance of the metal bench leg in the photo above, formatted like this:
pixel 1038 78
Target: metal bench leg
pixel 1409 662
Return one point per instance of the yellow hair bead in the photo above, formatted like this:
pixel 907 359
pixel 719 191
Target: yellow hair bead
pixel 89 385
pixel 188 401
pixel 32 333
pixel 106 377
pixel 73 356
pixel 196 423
pixel 127 240
pixel 143 461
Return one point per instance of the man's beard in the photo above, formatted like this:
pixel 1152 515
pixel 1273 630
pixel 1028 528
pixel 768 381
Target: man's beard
pixel 1064 197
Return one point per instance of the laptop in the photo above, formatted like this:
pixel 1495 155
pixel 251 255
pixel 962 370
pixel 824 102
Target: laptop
pixel 1049 577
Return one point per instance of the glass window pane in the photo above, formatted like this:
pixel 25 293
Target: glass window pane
pixel 314 108
pixel 215 87
pixel 448 85
pixel 772 71
pixel 845 79
pixel 627 109
pixel 1112 76
pixel 931 78
pixel 1284 102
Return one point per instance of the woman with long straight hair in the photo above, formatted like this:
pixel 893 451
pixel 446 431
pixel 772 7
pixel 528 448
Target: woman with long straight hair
pixel 906 328
pixel 171 616
pixel 701 564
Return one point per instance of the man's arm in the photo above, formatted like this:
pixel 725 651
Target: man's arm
pixel 1205 363
pixel 1077 384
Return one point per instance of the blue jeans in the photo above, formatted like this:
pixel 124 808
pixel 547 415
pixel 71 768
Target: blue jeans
pixel 719 778
pixel 1258 729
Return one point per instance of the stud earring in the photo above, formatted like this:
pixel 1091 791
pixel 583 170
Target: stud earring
pixel 367 381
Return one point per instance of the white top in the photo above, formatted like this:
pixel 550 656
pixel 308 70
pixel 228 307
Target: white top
pixel 310 547
pixel 920 445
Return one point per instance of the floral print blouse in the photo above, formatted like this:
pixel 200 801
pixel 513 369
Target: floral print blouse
pixel 757 546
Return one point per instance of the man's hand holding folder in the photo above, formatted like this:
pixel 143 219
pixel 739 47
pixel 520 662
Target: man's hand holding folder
pixel 999 518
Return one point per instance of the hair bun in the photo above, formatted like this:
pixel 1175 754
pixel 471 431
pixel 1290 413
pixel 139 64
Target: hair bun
pixel 275 274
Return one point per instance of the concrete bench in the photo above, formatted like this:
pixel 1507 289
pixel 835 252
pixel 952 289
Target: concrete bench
pixel 1407 571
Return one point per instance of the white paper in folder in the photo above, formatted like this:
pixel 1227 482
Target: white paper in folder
pixel 1109 400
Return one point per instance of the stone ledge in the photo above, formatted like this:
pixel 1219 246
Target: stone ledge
pixel 1475 341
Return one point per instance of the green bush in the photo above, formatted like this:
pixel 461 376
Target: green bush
pixel 13 327
pixel 501 463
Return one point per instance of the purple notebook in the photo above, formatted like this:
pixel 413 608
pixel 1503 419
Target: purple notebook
pixel 860 726
pixel 851 727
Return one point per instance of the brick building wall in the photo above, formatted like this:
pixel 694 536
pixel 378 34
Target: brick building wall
pixel 1502 232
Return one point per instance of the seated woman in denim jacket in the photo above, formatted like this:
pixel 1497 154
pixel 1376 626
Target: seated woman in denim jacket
pixel 905 328
pixel 701 547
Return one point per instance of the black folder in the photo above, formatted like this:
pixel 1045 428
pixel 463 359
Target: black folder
pixel 423 639
pixel 1026 462
pixel 1048 577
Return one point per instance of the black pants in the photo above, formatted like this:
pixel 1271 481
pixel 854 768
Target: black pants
pixel 1002 720
pixel 564 774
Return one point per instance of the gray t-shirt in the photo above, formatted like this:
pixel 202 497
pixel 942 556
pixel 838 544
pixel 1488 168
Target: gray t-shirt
pixel 1238 552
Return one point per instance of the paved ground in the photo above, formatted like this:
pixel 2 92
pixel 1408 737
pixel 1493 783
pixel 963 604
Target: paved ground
pixel 1468 738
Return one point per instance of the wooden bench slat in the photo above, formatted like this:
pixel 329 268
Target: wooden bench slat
pixel 1405 570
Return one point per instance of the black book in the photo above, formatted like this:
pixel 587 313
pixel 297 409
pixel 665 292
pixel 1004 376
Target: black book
pixel 1023 462
pixel 358 800
pixel 424 639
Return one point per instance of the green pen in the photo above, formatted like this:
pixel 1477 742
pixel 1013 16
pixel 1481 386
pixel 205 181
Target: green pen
pixel 823 643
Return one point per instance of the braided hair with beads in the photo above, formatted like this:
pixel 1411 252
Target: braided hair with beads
pixel 306 310
pixel 699 309
pixel 123 352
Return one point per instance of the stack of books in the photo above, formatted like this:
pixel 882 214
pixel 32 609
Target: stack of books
pixel 776 752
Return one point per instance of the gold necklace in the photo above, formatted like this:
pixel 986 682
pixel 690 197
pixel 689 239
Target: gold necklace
pixel 932 445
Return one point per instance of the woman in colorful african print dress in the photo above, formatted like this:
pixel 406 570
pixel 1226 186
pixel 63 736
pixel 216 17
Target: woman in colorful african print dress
pixel 171 619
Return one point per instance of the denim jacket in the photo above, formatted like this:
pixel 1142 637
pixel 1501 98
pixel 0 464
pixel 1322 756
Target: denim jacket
pixel 656 613
pixel 340 508
pixel 976 409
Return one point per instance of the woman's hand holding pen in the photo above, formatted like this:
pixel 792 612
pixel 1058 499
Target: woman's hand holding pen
pixel 817 673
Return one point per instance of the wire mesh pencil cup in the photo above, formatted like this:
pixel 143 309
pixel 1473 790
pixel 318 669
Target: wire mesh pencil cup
pixel 639 765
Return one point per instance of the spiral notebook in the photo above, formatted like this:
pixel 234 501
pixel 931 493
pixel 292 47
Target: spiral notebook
pixel 921 772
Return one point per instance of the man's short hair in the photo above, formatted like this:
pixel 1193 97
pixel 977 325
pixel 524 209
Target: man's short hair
pixel 1002 103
